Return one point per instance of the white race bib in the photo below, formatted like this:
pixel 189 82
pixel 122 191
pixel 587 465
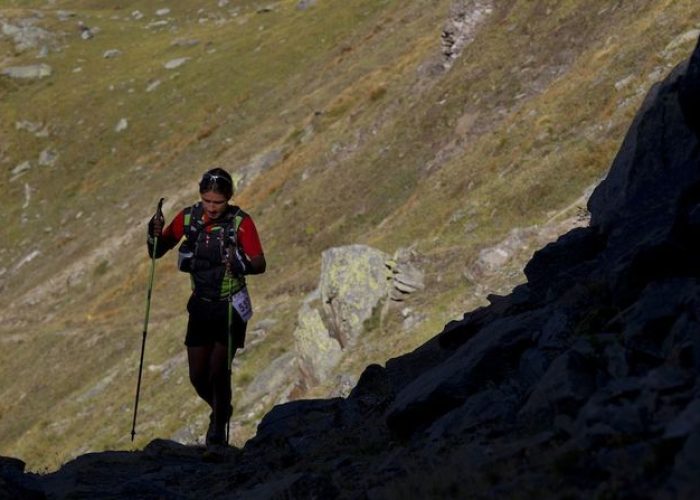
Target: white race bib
pixel 242 304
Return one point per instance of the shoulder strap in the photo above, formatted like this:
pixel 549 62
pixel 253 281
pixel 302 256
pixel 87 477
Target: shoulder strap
pixel 193 221
pixel 236 217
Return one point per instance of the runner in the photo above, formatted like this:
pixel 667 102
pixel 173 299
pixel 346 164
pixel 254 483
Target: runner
pixel 221 247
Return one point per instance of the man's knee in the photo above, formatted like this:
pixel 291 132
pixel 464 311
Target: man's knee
pixel 219 375
pixel 199 378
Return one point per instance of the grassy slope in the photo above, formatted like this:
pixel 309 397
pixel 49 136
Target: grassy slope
pixel 528 117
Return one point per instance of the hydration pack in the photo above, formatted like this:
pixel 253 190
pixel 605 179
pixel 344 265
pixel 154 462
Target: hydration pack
pixel 203 253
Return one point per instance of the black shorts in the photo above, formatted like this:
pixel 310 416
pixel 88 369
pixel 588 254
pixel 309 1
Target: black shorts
pixel 208 323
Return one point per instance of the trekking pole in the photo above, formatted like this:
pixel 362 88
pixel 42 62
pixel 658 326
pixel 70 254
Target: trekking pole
pixel 159 212
pixel 230 356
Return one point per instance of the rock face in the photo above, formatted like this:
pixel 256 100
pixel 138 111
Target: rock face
pixel 582 383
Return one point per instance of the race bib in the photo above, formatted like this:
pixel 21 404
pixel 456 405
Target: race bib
pixel 241 303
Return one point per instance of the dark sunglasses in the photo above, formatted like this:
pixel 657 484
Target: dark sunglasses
pixel 208 179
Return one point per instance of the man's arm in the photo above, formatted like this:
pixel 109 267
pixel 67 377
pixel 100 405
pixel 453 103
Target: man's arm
pixel 168 237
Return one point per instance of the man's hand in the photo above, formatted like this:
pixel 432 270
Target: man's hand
pixel 157 222
pixel 237 262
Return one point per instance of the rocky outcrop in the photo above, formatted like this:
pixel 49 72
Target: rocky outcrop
pixel 355 281
pixel 582 383
pixel 26 34
pixel 406 276
pixel 465 18
pixel 318 351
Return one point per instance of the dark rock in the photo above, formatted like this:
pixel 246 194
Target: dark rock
pixel 646 181
pixel 575 247
pixel 686 422
pixel 10 465
pixel 403 370
pixel 532 367
pixel 487 358
pixel 457 333
pixel 488 406
pixel 288 425
pixel 563 389
pixel 668 378
pixel 555 332
pixel 300 485
pixel 685 480
pixel 373 389
pixel 648 323
pixel 616 357
pixel 689 92
pixel 15 484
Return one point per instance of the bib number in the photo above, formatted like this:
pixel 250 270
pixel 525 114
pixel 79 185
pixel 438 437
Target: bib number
pixel 242 304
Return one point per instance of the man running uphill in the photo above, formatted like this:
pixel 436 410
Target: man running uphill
pixel 221 247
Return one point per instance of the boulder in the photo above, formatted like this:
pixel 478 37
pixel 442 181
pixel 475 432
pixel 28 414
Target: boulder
pixel 30 72
pixel 112 53
pixel 121 125
pixel 305 4
pixel 48 158
pixel 176 63
pixel 21 168
pixel 354 280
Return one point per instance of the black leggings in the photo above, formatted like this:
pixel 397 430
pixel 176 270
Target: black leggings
pixel 207 354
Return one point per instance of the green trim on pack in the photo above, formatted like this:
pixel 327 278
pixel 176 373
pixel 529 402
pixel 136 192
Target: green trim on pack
pixel 232 284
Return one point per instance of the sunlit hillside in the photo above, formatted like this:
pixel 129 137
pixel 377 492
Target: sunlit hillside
pixel 343 122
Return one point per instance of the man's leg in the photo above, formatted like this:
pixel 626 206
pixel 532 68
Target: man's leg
pixel 200 373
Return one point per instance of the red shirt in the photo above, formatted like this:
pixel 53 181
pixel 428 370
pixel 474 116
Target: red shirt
pixel 247 234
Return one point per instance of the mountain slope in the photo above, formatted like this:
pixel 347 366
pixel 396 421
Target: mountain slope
pixel 345 122
pixel 583 382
